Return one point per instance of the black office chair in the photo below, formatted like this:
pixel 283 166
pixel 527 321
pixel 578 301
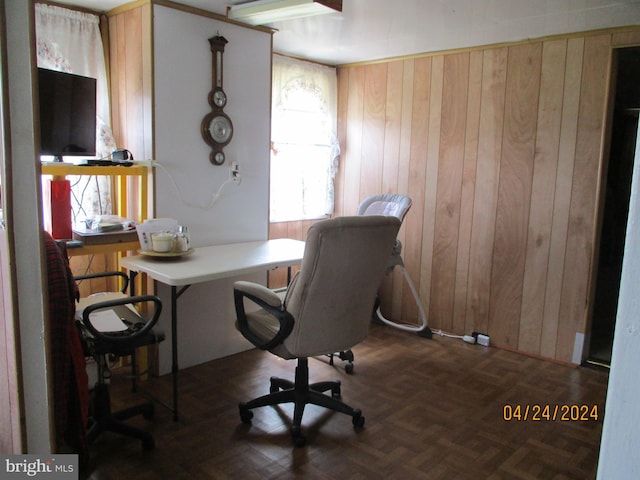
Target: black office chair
pixel 130 331
pixel 327 308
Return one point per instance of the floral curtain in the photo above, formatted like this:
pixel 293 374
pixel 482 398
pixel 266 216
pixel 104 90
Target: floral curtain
pixel 70 41
pixel 304 153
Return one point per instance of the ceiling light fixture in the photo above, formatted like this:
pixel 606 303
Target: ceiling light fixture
pixel 261 12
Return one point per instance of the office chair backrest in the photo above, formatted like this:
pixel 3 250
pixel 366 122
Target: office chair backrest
pixel 389 204
pixel 332 297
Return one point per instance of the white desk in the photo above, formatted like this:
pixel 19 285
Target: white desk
pixel 206 264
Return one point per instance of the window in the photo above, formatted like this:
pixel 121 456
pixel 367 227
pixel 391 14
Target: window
pixel 70 41
pixel 304 147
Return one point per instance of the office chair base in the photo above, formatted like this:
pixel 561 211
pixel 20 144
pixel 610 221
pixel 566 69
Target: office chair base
pixel 104 420
pixel 301 393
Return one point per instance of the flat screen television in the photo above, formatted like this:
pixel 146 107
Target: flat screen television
pixel 67 114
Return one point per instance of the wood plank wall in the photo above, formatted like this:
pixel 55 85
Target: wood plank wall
pixel 131 79
pixel 501 149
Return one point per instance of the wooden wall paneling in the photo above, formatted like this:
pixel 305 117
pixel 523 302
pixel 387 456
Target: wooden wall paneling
pixel 353 148
pixel 494 73
pixel 420 129
pixel 294 230
pixel 542 194
pixel 467 193
pixel 84 264
pixel 514 192
pixel 430 195
pixel 116 81
pixel 373 130
pixel 134 89
pixel 131 80
pixel 595 76
pixel 297 231
pixel 449 187
pixel 343 121
pixel 393 127
pixel 392 284
pixel 404 159
pixel 404 172
pixel 277 278
pixel 527 183
pixel 625 39
pixel 562 197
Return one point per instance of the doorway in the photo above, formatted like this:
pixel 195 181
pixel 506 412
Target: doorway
pixel 616 208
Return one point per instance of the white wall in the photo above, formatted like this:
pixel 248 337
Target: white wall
pixel 621 431
pixel 183 67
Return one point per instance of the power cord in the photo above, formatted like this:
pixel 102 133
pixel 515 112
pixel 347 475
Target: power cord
pixel 465 338
pixel 234 178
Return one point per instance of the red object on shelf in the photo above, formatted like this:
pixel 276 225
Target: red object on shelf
pixel 58 206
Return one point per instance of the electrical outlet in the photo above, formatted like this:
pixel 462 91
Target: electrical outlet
pixel 481 338
pixel 234 171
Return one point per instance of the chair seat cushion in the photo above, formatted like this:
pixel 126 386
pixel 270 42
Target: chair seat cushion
pixel 96 298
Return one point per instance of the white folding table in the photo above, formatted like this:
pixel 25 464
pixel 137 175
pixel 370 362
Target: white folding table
pixel 206 264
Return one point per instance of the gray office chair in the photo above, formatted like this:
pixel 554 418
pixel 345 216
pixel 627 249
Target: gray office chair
pixel 327 308
pixel 396 205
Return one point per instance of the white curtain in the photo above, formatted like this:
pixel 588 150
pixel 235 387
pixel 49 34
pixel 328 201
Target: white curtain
pixel 304 154
pixel 70 41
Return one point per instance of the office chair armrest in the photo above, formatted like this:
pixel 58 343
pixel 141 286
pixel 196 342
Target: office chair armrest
pixel 261 292
pixel 119 337
pixel 269 302
pixel 124 276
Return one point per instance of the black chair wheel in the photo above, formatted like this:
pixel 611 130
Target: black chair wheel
pixel 245 414
pixel 336 391
pixel 348 368
pixel 298 439
pixel 273 387
pixel 358 419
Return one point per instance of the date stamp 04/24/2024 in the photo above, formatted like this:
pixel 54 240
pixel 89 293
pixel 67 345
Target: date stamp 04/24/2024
pixel 550 413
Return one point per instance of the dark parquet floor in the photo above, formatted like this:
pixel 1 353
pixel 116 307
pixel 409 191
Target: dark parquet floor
pixel 434 409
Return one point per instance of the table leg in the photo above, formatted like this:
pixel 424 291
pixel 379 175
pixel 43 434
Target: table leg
pixel 174 349
pixel 132 284
pixel 175 294
pixel 174 338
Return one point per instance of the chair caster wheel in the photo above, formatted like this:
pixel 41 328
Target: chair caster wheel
pixel 348 368
pixel 273 385
pixel 358 419
pixel 245 414
pixel 336 392
pixel 298 439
